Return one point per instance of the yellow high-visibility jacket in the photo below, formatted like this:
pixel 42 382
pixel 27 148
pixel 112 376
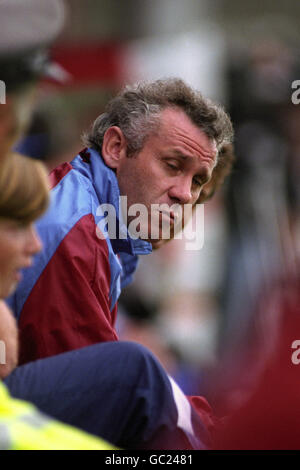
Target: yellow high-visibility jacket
pixel 23 427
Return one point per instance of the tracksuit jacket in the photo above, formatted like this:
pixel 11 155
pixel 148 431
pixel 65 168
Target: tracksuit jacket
pixel 68 298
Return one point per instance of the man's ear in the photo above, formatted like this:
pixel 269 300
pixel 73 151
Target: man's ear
pixel 114 147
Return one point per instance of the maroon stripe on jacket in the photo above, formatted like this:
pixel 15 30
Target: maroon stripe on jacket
pixel 58 173
pixel 69 306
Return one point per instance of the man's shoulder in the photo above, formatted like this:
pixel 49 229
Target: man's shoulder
pixel 72 197
pixel 67 178
pixel 58 173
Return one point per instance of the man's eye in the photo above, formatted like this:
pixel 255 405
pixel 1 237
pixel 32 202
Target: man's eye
pixel 197 183
pixel 173 166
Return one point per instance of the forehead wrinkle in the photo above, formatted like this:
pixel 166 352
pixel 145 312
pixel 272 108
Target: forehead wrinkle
pixel 188 157
pixel 191 143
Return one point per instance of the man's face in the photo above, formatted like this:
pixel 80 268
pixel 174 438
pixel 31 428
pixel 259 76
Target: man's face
pixel 172 168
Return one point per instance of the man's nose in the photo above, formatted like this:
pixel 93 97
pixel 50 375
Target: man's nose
pixel 181 191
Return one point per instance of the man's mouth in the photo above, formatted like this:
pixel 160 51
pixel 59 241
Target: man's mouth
pixel 170 215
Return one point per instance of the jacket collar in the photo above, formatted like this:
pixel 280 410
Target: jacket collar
pixel 105 184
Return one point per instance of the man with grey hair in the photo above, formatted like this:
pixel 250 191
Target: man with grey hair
pixel 156 146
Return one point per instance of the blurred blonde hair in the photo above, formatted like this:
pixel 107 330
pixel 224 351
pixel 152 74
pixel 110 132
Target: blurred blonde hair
pixel 24 188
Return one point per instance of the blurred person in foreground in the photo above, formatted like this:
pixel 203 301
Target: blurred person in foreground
pixel 25 30
pixel 23 198
pixel 156 144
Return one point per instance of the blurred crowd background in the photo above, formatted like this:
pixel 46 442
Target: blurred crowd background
pixel 197 310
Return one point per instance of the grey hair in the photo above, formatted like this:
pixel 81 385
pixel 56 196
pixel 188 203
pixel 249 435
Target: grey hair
pixel 136 111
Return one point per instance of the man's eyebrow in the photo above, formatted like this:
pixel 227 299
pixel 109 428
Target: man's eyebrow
pixel 178 154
